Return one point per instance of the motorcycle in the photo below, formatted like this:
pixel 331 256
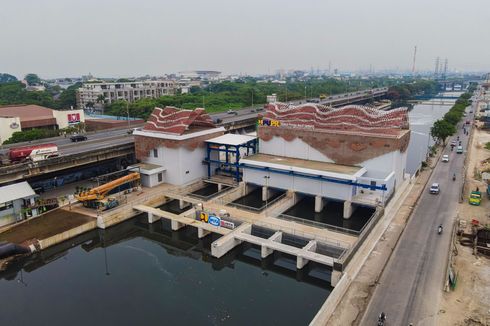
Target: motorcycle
pixel 439 229
pixel 454 177
pixel 381 319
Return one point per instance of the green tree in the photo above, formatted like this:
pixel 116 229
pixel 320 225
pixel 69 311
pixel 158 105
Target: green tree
pixel 32 79
pixel 33 134
pixel 441 130
pixel 6 78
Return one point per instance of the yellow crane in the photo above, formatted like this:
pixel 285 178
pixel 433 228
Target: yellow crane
pixel 96 197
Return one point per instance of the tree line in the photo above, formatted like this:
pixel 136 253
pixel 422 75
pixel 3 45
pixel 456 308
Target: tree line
pixel 446 127
pixel 231 95
pixel 13 91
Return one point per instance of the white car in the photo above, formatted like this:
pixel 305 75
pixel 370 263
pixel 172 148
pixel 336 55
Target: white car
pixel 434 189
pixel 445 158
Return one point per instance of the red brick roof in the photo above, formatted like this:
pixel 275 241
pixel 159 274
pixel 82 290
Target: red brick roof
pixel 177 121
pixel 354 118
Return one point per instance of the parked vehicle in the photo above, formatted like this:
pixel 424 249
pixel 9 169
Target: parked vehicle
pixel 77 138
pixel 475 198
pixel 434 189
pixel 34 153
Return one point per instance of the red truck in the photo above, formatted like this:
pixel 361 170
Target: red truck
pixel 34 153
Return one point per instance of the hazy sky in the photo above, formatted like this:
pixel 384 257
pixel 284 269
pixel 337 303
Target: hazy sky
pixel 57 38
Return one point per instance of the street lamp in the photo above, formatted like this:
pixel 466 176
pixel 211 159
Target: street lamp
pixel 266 178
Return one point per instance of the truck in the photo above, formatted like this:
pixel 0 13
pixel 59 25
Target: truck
pixel 475 198
pixel 33 153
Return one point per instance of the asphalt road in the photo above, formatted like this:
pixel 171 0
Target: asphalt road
pixel 410 288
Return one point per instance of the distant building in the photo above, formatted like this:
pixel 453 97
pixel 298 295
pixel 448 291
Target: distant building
pixel 203 74
pixel 29 116
pixel 15 203
pixel 91 93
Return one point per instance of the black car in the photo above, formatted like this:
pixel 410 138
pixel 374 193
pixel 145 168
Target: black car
pixel 77 138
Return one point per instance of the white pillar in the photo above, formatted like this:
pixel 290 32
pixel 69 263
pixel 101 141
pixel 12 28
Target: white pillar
pixel 300 261
pixel 201 233
pixel 319 203
pixel 265 193
pixel 227 242
pixel 152 218
pixel 176 225
pixel 347 209
pixel 264 250
pixel 181 203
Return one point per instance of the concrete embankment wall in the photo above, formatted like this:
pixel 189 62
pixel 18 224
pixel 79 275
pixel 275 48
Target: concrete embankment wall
pixel 60 237
pixel 126 211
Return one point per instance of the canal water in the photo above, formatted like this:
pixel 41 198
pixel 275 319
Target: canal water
pixel 140 274
pixel 422 117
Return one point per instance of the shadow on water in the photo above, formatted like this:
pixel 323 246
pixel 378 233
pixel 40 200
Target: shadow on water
pixel 208 190
pixel 331 214
pixel 254 198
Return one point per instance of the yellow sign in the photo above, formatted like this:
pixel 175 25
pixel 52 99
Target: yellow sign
pixel 204 217
pixel 269 122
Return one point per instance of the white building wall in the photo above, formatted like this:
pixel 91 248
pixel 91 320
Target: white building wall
pixel 299 184
pixel 181 164
pixel 387 163
pixel 6 129
pixel 295 148
pixel 192 168
pixel 62 117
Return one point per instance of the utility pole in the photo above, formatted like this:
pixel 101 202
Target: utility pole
pixel 436 70
pixel 129 121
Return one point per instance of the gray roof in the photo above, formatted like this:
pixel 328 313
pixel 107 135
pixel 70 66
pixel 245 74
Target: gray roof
pixel 16 191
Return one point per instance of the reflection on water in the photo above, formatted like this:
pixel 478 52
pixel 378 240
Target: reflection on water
pixel 135 273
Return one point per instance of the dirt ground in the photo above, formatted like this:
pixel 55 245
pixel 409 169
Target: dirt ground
pixel 45 226
pixel 469 303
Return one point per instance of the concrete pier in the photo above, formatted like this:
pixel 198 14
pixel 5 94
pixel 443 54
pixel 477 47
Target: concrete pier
pixel 300 261
pixel 152 218
pixel 227 242
pixel 266 193
pixel 348 209
pixel 181 203
pixel 319 203
pixel 201 233
pixel 176 225
pixel 266 251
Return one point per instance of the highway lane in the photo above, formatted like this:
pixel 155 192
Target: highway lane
pixel 410 288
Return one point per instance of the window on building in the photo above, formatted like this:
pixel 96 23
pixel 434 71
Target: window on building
pixel 160 177
pixel 155 152
pixel 6 205
pixel 373 185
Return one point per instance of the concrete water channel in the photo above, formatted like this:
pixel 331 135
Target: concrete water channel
pixel 139 273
